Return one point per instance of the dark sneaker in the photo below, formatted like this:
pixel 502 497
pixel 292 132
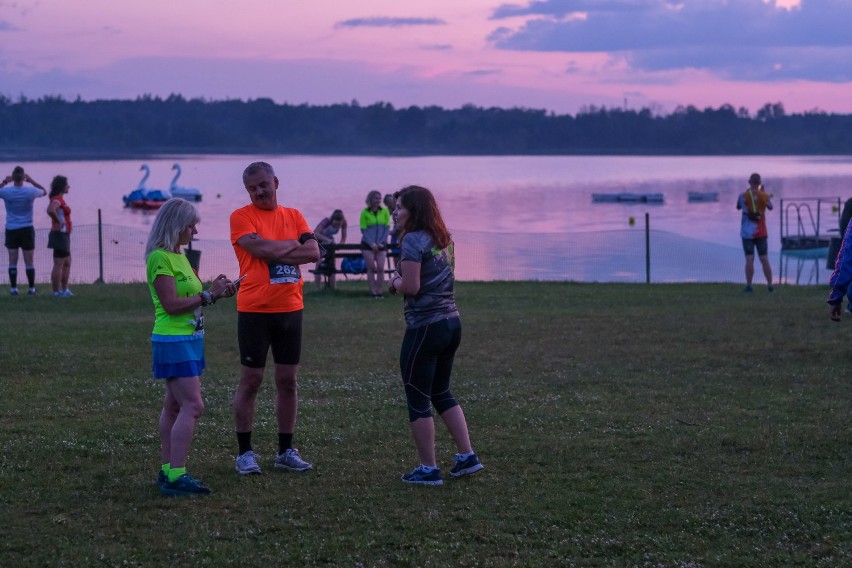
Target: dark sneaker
pixel 184 485
pixel 771 288
pixel 420 476
pixel 292 461
pixel 247 463
pixel 748 289
pixel 466 466
pixel 162 478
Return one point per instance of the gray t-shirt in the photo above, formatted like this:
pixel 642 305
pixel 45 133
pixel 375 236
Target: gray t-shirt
pixel 435 301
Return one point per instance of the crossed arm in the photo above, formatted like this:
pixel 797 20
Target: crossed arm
pixel 287 251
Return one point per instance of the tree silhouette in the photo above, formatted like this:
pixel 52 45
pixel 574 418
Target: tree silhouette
pixel 52 126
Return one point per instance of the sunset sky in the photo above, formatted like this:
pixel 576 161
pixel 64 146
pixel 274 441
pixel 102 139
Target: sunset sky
pixel 559 55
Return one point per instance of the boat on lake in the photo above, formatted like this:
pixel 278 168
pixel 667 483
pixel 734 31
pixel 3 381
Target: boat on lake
pixel 187 193
pixel 142 198
pixel 628 198
pixel 702 196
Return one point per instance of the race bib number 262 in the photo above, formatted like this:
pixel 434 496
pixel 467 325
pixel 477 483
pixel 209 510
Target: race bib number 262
pixel 284 274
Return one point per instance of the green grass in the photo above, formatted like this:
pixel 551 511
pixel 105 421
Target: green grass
pixel 620 425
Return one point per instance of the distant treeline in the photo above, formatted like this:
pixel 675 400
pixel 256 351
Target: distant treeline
pixel 52 126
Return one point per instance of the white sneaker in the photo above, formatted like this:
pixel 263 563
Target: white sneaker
pixel 247 463
pixel 292 461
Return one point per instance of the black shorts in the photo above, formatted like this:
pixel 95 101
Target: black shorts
pixel 60 243
pixel 257 332
pixel 23 238
pixel 750 244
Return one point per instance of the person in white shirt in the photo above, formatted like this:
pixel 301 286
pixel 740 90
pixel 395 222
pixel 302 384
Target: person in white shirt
pixel 20 233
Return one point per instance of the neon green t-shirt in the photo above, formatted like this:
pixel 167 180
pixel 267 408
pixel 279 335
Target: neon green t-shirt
pixel 163 262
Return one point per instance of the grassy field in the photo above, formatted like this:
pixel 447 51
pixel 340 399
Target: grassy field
pixel 620 425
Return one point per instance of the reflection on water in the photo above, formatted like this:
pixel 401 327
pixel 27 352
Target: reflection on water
pixel 512 217
pixel 598 256
pixel 804 267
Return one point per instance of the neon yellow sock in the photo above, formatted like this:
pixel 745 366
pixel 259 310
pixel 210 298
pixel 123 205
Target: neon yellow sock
pixel 165 468
pixel 175 472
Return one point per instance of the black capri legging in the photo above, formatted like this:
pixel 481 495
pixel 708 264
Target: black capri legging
pixel 426 362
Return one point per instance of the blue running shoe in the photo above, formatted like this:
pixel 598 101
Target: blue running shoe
pixel 184 485
pixel 162 478
pixel 247 463
pixel 421 476
pixel 291 460
pixel 466 466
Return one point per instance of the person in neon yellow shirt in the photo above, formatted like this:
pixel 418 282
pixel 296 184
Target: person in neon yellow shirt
pixel 375 228
pixel 178 338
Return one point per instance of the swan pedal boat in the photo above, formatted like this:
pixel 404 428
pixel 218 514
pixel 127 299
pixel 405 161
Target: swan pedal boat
pixel 187 193
pixel 145 199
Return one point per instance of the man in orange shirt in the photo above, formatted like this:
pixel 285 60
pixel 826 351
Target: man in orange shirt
pixel 271 242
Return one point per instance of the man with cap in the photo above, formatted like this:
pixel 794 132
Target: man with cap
pixel 754 202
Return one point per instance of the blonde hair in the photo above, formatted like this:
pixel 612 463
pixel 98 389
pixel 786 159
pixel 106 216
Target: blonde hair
pixel 371 195
pixel 173 217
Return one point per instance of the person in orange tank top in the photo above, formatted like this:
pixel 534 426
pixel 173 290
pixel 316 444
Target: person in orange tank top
pixel 271 243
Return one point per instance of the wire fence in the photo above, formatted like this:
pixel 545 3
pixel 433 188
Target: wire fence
pixel 116 254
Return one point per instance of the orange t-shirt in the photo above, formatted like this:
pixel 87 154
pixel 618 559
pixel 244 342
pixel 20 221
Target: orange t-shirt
pixel 268 287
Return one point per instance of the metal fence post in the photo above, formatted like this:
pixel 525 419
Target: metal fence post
pixel 100 279
pixel 647 248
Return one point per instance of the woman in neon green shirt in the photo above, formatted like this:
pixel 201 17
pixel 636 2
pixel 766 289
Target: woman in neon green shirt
pixel 178 338
pixel 375 227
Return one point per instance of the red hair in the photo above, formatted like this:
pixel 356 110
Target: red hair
pixel 423 214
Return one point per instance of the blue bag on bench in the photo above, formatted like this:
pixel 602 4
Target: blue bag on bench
pixel 356 265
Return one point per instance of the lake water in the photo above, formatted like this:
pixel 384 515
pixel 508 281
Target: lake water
pixel 512 217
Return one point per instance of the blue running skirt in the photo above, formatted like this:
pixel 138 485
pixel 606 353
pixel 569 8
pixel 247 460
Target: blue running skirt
pixel 177 356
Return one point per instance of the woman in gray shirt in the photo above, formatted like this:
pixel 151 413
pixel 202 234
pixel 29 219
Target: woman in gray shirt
pixel 432 333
